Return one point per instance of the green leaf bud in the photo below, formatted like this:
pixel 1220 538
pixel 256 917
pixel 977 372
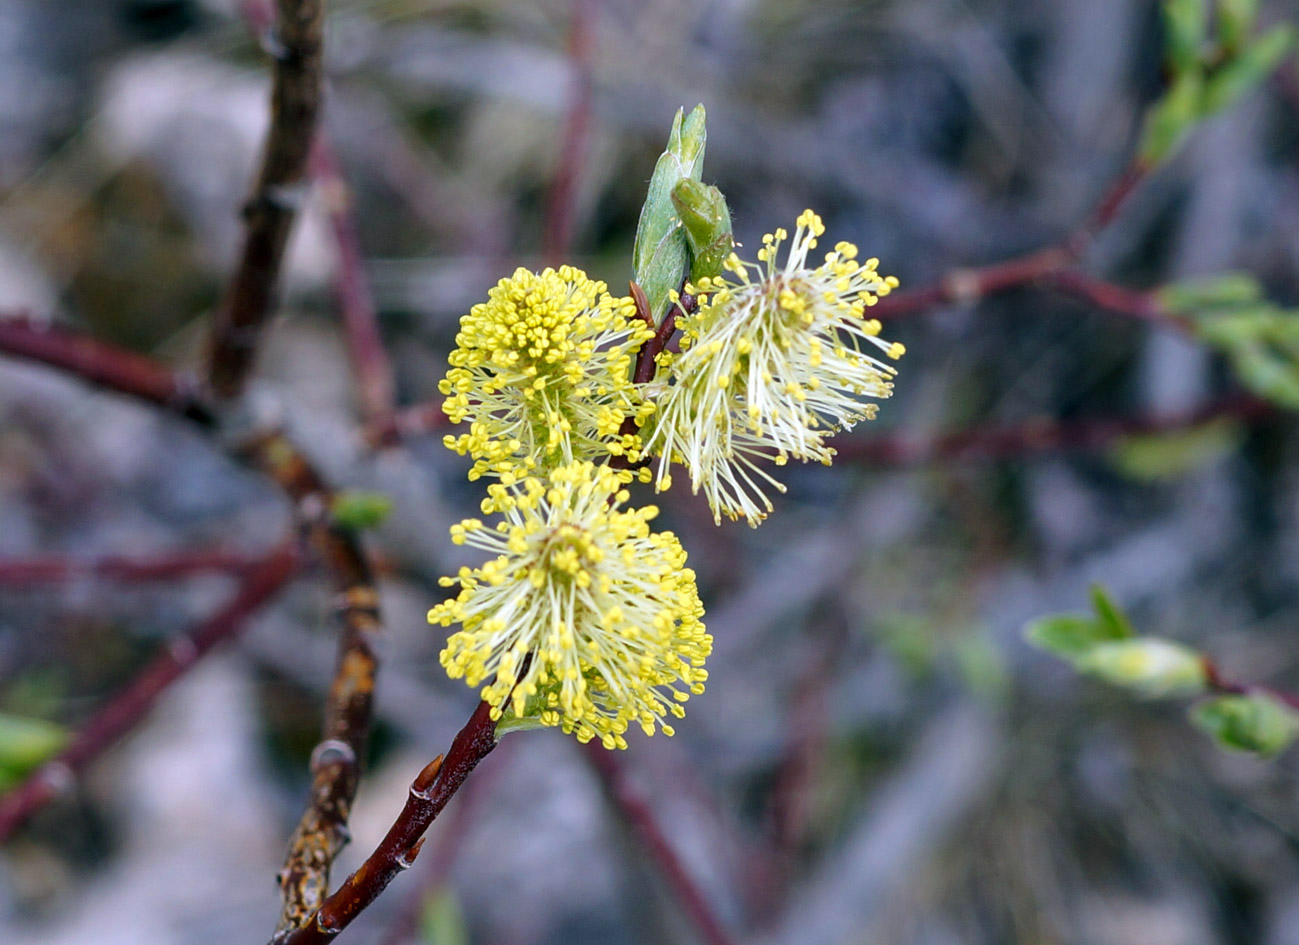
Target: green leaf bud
pixel 1149 665
pixel 1247 70
pixel 1171 119
pixel 359 510
pixel 1186 24
pixel 1255 722
pixel 1235 23
pixel 706 221
pixel 24 744
pixel 661 255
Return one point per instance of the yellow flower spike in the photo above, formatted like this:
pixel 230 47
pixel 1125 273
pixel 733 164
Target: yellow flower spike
pixel 770 367
pixel 606 608
pixel 541 371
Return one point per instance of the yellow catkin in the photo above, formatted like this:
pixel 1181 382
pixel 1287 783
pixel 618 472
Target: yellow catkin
pixel 586 619
pixel 542 374
pixel 777 359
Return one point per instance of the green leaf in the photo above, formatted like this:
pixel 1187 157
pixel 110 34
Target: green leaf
pixel 1255 722
pixel 1171 119
pixel 1261 339
pixel 1186 24
pixel 1235 23
pixel 26 743
pixel 1248 70
pixel 661 255
pixel 1114 622
pixel 1148 665
pixel 1067 635
pixel 358 509
pixel 707 225
pixel 1268 371
pixel 1194 297
pixel 442 921
pixel 1074 635
pixel 1171 455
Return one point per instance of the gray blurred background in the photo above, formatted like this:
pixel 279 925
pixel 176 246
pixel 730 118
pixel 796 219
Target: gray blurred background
pixel 878 758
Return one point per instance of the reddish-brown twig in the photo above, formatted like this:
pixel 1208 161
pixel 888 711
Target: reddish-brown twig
pixel 404 423
pixel 1143 306
pixel 26 572
pixel 296 46
pixel 103 365
pixel 133 703
pixel 436 864
pixel 429 794
pixel 280 190
pixel 370 364
pixel 645 826
pixel 1042 436
pixel 1220 685
pixel 646 357
pixel 349 709
pixel 323 828
pixel 969 285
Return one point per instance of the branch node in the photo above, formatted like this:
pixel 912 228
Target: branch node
pixel 332 751
pixel 422 786
pixel 406 860
pixel 183 650
pixel 963 286
pixel 273 46
pixel 59 777
pixel 281 198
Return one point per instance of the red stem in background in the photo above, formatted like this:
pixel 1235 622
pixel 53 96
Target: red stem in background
pixel 1217 684
pixel 405 422
pixel 130 705
pixel 644 825
pixel 349 709
pixel 103 365
pixel 969 285
pixel 24 572
pixel 370 364
pixel 1143 306
pixel 1002 442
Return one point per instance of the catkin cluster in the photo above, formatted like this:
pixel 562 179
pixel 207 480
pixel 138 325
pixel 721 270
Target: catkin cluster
pixel 586 618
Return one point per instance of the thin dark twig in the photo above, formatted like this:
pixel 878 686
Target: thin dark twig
pixel 133 703
pixel 1220 685
pixel 646 828
pixel 404 423
pixel 1143 306
pixel 280 190
pixel 323 828
pixel 56 569
pixel 436 864
pixel 647 356
pixel 1042 436
pixel 370 363
pixel 429 794
pixel 104 365
pixel 349 709
pixel 969 285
